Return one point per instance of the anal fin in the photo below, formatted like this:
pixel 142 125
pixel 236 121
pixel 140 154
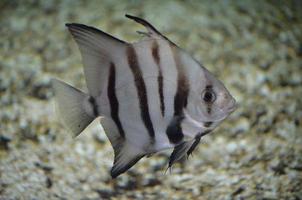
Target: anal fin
pixel 125 154
pixel 125 158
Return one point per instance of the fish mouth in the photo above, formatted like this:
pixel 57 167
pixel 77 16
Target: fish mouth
pixel 232 108
pixel 228 110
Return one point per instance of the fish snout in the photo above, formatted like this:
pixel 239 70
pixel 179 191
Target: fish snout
pixel 232 105
pixel 227 102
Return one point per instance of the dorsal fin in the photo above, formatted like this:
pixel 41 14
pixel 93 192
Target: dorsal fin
pixel 152 31
pixel 98 50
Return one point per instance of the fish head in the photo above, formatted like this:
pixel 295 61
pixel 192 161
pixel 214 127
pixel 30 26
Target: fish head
pixel 215 101
pixel 210 101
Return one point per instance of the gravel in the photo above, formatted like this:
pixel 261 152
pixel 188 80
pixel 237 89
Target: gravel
pixel 254 48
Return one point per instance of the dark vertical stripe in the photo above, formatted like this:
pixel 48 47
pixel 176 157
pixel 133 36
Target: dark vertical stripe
pixel 209 109
pixel 209 87
pixel 209 106
pixel 207 124
pixel 175 135
pixel 141 89
pixel 94 106
pixel 182 91
pixel 155 54
pixel 174 130
pixel 114 104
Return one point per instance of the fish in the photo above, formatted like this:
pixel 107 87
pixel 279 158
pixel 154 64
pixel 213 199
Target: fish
pixel 149 95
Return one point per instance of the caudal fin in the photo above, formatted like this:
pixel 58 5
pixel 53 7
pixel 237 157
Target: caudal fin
pixel 71 106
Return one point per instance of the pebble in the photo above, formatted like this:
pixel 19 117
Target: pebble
pixel 254 154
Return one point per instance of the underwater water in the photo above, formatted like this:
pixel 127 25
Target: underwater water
pixel 253 47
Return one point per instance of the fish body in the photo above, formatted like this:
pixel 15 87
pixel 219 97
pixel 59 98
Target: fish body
pixel 151 95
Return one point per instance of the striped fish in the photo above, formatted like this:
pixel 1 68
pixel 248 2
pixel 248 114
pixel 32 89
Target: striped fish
pixel 151 95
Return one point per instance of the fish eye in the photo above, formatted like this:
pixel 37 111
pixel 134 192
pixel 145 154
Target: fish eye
pixel 208 96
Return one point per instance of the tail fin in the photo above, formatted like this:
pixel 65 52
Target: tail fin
pixel 71 106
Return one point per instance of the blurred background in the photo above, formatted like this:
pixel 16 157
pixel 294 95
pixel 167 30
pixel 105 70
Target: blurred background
pixel 253 47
